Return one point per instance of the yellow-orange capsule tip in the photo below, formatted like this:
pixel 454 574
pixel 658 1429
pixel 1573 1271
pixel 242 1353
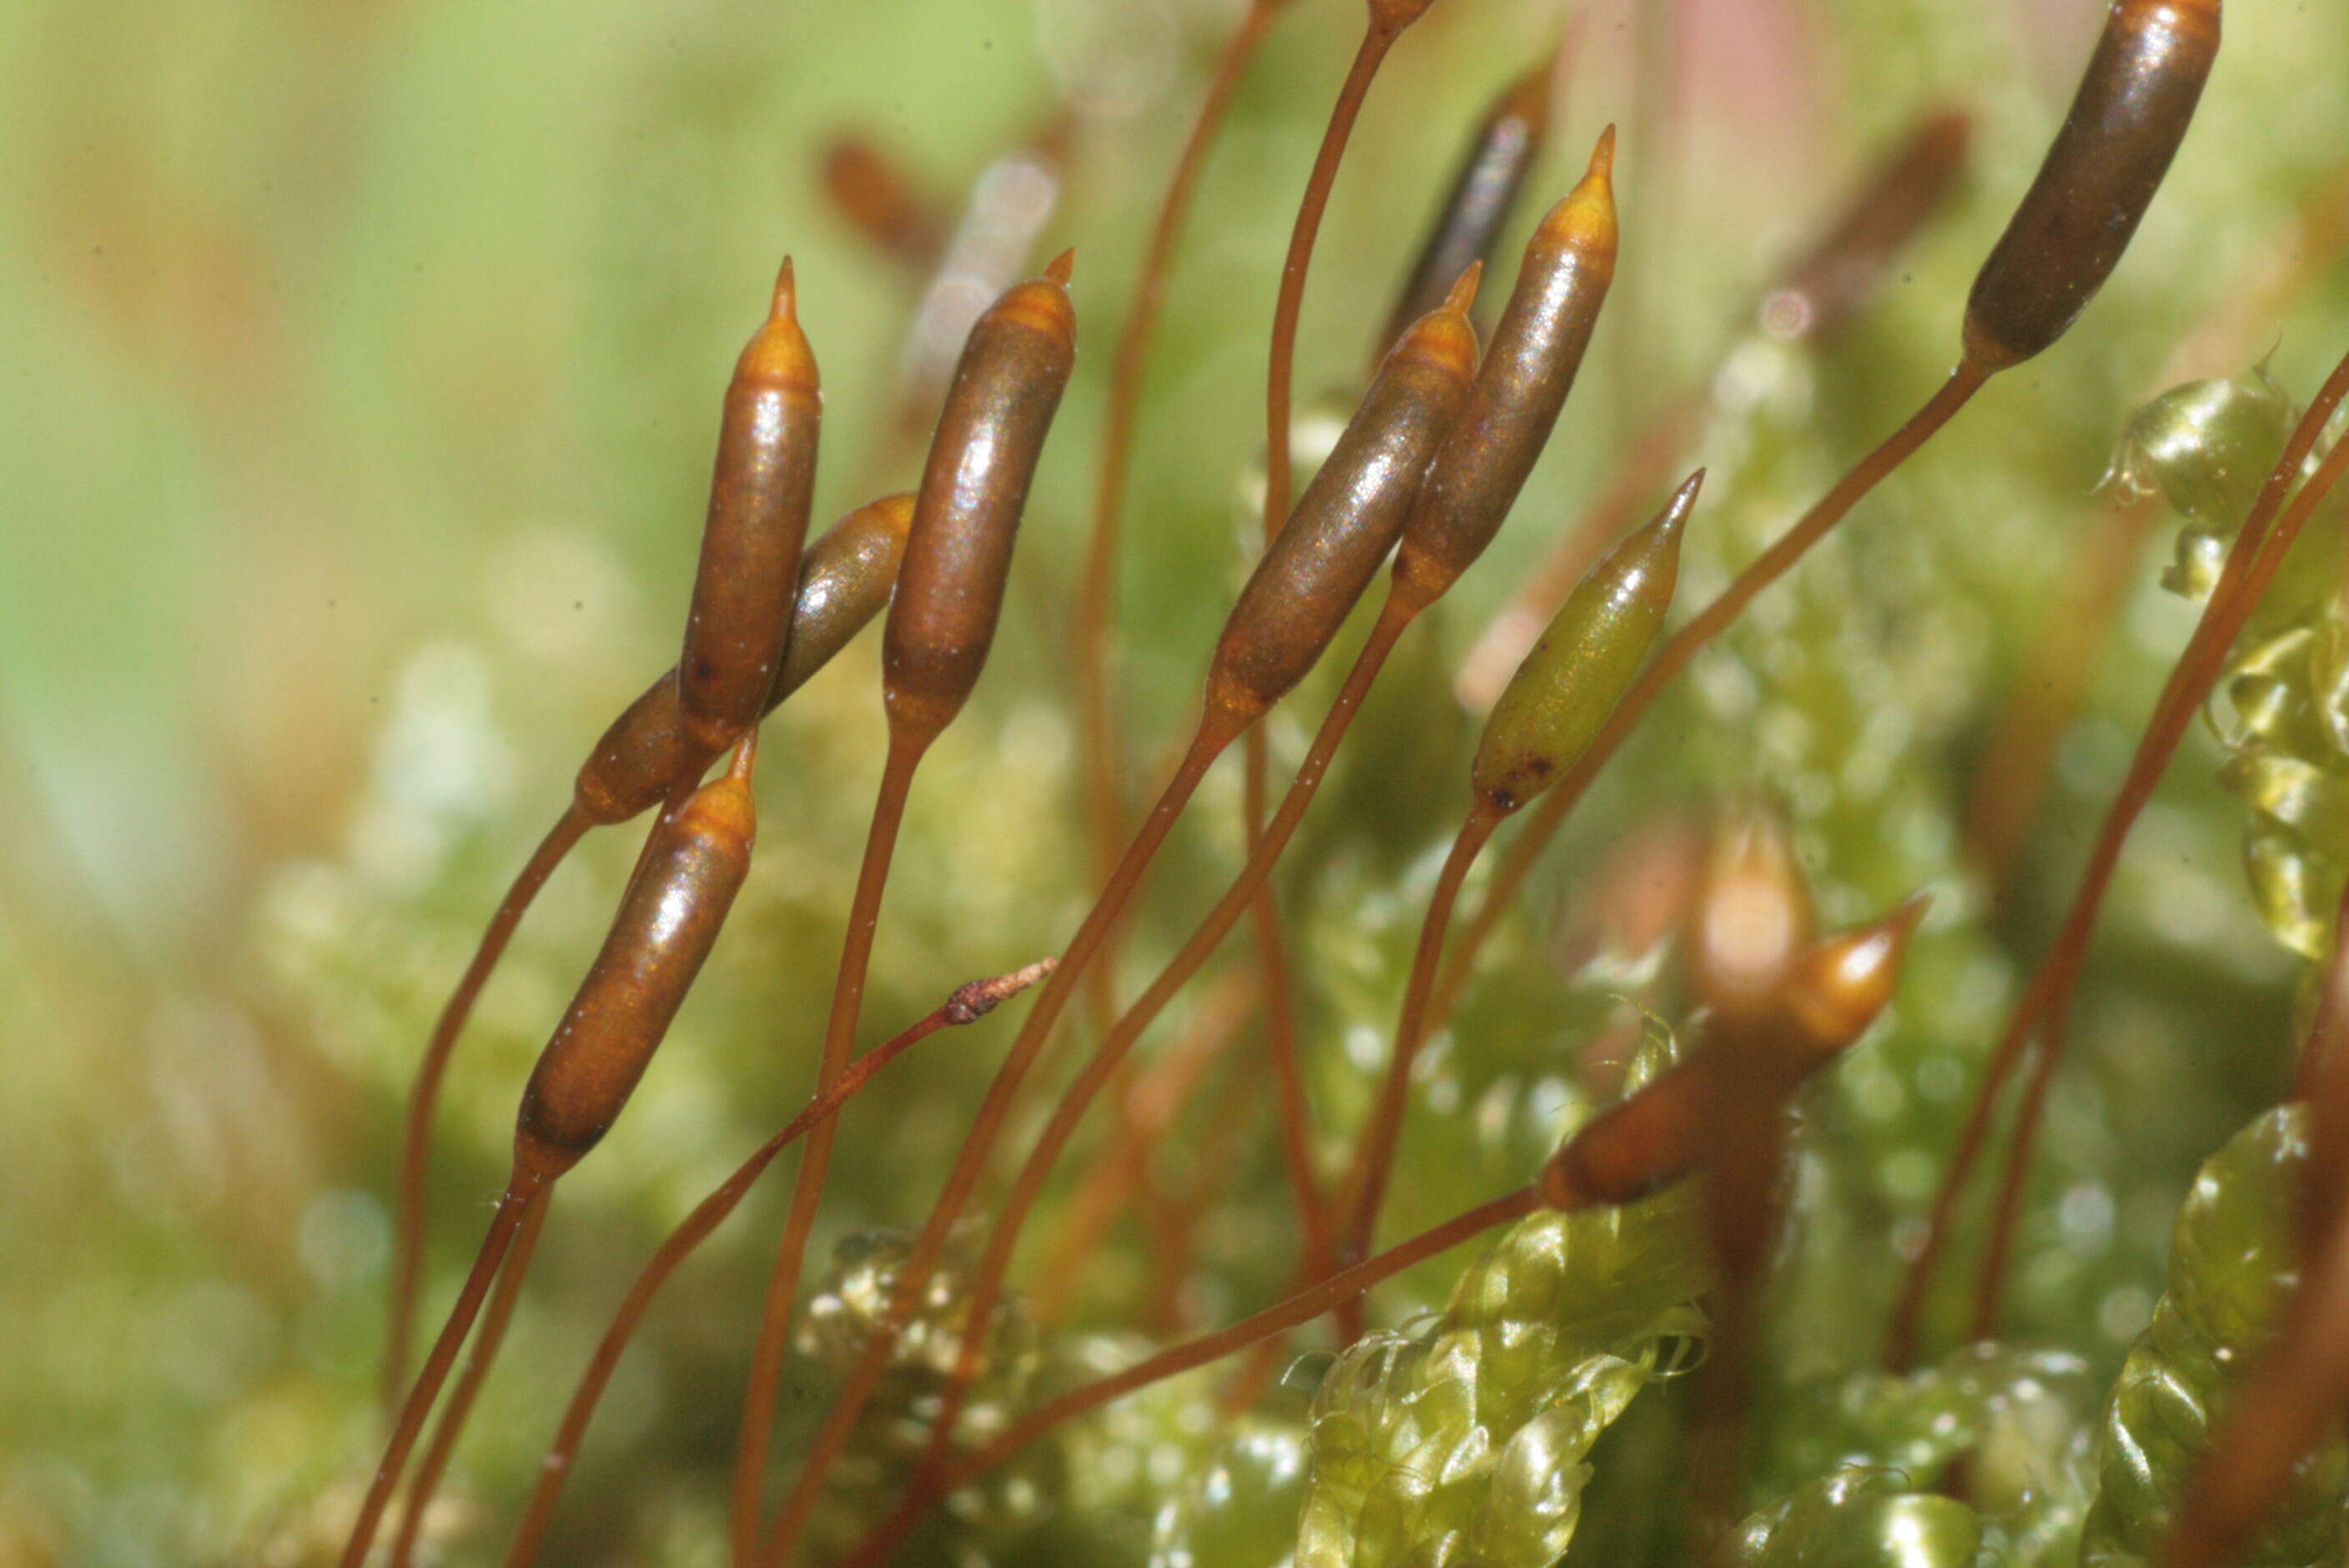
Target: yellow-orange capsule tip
pixel 1061 268
pixel 745 757
pixel 1464 289
pixel 1841 984
pixel 786 305
pixel 1527 98
pixel 1602 158
pixel 779 351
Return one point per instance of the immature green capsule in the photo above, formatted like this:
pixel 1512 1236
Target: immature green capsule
pixel 1320 563
pixel 759 501
pixel 1014 367
pixel 844 583
pixel 668 921
pixel 2135 102
pixel 1562 694
pixel 1520 386
pixel 1484 193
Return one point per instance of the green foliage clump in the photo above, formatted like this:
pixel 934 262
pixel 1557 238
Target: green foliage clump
pixel 2231 1268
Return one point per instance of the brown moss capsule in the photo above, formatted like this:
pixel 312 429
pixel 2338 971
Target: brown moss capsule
pixel 759 499
pixel 1484 193
pixel 1838 272
pixel 873 192
pixel 668 921
pixel 966 514
pixel 844 580
pixel 1514 404
pixel 1577 672
pixel 2135 102
pixel 1832 992
pixel 1320 563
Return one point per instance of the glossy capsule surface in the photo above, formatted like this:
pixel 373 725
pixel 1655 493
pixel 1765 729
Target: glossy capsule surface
pixel 759 498
pixel 845 581
pixel 1477 206
pixel 1555 704
pixel 1318 564
pixel 1520 386
pixel 667 923
pixel 1830 994
pixel 2134 104
pixel 997 412
pixel 1838 272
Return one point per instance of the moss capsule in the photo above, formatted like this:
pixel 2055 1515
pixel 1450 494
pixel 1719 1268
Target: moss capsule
pixel 1514 403
pixel 759 499
pixel 1318 565
pixel 668 921
pixel 958 554
pixel 1751 915
pixel 1829 995
pixel 1576 673
pixel 1484 193
pixel 1838 272
pixel 2135 102
pixel 844 583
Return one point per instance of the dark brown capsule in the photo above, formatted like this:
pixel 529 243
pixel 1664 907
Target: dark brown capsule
pixel 1520 386
pixel 668 921
pixel 844 583
pixel 1554 706
pixel 758 499
pixel 966 514
pixel 1477 208
pixel 1838 274
pixel 2134 104
pixel 1325 556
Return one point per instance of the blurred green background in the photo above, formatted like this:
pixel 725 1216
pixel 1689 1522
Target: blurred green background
pixel 361 366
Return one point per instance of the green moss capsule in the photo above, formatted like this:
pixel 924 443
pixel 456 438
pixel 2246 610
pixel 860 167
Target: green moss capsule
pixel 1520 386
pixel 1484 193
pixel 2135 102
pixel 844 580
pixel 759 499
pixel 1568 686
pixel 1006 389
pixel 668 922
pixel 1318 565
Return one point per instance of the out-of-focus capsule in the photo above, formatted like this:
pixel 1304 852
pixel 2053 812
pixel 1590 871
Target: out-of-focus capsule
pixel 1320 563
pixel 844 583
pixel 1562 694
pixel 1520 386
pixel 1838 274
pixel 1484 193
pixel 1751 915
pixel 873 194
pixel 2135 102
pixel 967 515
pixel 668 921
pixel 759 499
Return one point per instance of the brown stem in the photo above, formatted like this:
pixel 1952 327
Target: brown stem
pixel 415 1149
pixel 1096 585
pixel 418 1403
pixel 1290 1103
pixel 2189 681
pixel 453 1415
pixel 764 1385
pixel 1282 363
pixel 707 1216
pixel 1374 1155
pixel 2198 672
pixel 1217 732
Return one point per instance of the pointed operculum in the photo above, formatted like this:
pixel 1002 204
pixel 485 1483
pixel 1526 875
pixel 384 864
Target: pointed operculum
pixel 779 351
pixel 1841 984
